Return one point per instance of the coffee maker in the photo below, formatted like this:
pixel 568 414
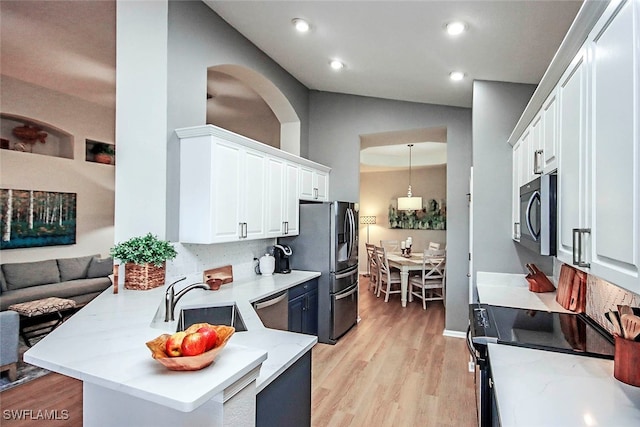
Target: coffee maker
pixel 282 254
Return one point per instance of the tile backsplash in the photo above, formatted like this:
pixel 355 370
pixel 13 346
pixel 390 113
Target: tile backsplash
pixel 192 260
pixel 602 296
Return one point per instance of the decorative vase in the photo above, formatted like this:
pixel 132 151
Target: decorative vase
pixel 107 159
pixel 143 277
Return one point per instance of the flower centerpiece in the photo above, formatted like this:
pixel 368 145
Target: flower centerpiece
pixel 145 260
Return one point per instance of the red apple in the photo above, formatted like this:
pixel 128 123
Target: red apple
pixel 194 344
pixel 210 335
pixel 174 344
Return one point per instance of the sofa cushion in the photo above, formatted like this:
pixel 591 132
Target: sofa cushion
pixel 3 283
pixel 73 289
pixel 100 267
pixel 26 274
pixel 74 268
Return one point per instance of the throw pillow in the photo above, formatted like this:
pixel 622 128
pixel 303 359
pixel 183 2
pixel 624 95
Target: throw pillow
pixel 74 268
pixel 100 267
pixel 25 274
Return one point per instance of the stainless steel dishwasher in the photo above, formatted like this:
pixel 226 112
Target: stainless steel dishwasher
pixel 274 311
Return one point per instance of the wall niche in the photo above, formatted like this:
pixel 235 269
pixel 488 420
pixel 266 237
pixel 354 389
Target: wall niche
pixel 31 136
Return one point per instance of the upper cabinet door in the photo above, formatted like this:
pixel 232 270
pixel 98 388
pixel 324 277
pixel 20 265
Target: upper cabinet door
pixel 322 186
pixel 253 194
pixel 615 180
pixel 535 148
pixel 291 200
pixel 210 190
pixel 572 161
pixel 314 185
pixel 550 134
pixel 515 188
pixel 276 197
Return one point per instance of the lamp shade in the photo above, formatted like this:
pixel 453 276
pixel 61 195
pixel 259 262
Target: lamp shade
pixel 370 219
pixel 409 203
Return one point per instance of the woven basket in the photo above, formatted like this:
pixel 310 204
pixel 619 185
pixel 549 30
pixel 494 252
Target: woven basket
pixel 143 277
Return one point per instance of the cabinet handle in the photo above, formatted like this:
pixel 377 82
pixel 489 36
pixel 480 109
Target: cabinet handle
pixel 315 193
pixel 515 230
pixel 245 230
pixel 285 227
pixel 537 155
pixel 577 247
pixel 241 229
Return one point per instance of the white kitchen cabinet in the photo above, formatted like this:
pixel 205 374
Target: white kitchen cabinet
pixel 313 185
pixel 615 148
pixel 572 156
pixel 549 143
pixel 221 191
pixel 515 187
pixel 234 188
pixel 535 149
pixel 599 158
pixel 282 200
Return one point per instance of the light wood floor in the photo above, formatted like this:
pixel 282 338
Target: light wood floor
pixel 393 369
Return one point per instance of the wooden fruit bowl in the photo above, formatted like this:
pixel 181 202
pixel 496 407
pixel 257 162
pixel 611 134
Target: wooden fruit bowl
pixel 190 363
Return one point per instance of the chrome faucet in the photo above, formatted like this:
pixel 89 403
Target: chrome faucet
pixel 171 298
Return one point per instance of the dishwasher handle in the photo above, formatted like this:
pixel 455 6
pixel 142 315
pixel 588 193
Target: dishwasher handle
pixel 273 301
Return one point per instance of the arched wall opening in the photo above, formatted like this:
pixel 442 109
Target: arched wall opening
pixel 225 105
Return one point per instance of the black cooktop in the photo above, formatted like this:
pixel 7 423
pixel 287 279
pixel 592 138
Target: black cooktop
pixel 562 332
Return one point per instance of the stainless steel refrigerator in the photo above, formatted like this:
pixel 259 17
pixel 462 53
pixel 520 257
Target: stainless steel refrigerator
pixel 328 242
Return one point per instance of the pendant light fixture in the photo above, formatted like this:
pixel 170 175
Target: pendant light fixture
pixel 409 203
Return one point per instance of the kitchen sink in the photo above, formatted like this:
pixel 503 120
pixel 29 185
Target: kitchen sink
pixel 227 314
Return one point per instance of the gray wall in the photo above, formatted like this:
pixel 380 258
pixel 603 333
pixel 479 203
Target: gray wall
pixel 198 39
pixel 497 106
pixel 336 122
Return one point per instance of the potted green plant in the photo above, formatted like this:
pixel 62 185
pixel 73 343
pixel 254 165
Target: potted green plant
pixel 103 153
pixel 145 260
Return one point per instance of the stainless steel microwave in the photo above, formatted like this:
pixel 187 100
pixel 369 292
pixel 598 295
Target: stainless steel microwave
pixel 538 215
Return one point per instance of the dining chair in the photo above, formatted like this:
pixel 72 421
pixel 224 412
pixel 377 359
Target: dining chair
pixel 388 280
pixel 434 246
pixel 390 245
pixel 372 267
pixel 431 283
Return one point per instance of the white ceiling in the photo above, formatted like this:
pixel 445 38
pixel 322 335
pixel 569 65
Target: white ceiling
pixel 399 49
pixel 392 49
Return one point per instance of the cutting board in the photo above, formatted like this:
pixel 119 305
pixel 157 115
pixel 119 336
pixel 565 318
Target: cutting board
pixel 215 277
pixel 565 286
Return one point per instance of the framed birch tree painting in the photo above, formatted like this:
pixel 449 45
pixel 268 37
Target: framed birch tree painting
pixel 32 218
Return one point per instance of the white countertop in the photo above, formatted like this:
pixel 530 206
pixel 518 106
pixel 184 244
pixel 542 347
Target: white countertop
pixel 543 388
pixel 104 343
pixel 512 290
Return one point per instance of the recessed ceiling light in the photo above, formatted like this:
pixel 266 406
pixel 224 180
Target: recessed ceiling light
pixel 456 27
pixel 336 64
pixel 456 75
pixel 301 25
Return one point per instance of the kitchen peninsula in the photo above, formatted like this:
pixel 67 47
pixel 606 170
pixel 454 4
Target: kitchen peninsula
pixel 103 345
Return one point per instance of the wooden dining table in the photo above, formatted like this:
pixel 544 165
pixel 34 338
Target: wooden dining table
pixel 405 265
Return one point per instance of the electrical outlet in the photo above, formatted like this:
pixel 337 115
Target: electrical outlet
pixel 472 366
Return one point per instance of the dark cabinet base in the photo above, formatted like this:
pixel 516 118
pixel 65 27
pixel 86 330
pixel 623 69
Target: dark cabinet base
pixel 286 402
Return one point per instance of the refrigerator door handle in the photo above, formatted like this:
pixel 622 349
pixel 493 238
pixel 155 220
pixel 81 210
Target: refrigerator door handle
pixel 347 273
pixel 352 231
pixel 346 294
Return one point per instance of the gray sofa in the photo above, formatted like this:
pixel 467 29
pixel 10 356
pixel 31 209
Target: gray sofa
pixel 9 321
pixel 80 279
